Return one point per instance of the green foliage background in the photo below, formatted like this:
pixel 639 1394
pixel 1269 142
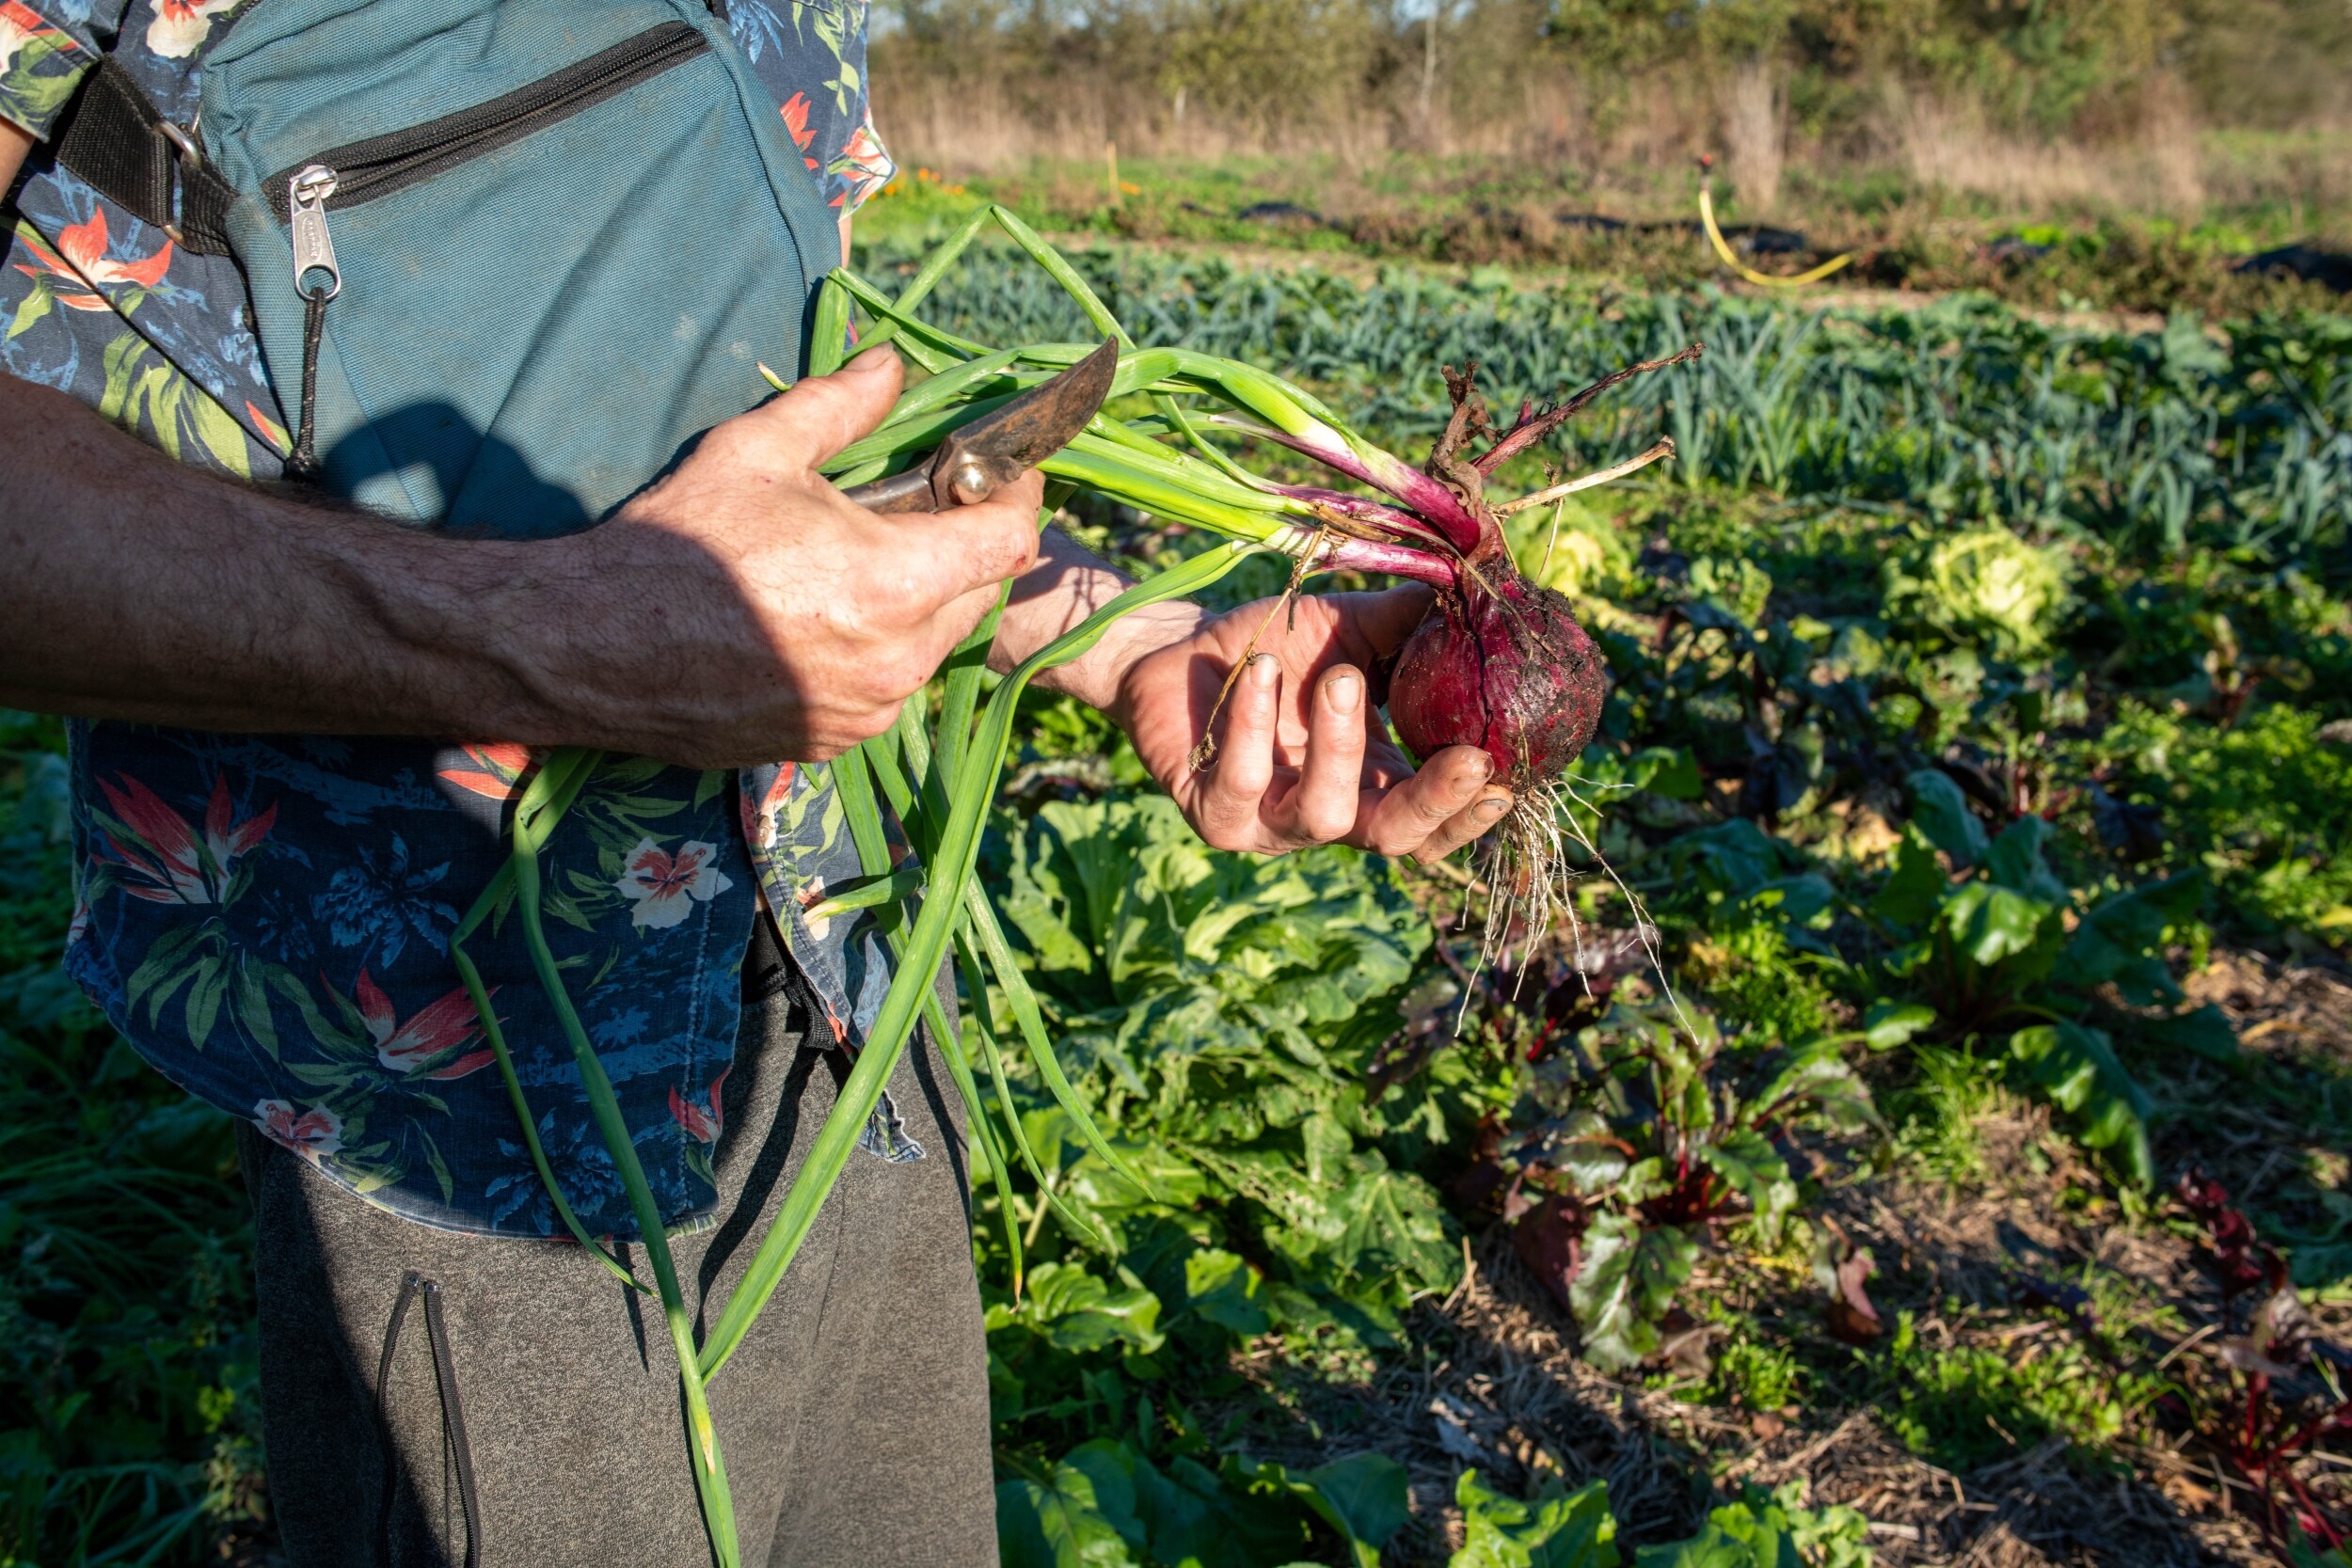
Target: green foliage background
pixel 1974 677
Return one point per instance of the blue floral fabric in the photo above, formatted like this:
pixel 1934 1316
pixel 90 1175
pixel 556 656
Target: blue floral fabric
pixel 267 918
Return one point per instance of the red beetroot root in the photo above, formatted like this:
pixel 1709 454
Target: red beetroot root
pixel 1509 672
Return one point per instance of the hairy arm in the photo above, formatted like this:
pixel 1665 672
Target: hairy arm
pixel 146 591
pixel 738 611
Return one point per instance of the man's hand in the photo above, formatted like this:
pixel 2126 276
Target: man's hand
pixel 777 618
pixel 1300 758
pixel 739 610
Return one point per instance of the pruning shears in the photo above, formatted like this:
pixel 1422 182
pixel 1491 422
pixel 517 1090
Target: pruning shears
pixel 1001 445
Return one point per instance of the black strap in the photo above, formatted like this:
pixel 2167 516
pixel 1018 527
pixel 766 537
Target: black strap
pixel 452 1418
pixel 115 138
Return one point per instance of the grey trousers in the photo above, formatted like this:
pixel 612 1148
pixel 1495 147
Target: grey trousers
pixel 853 1418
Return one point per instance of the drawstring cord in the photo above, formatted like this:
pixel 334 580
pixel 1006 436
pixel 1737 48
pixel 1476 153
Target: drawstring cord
pixel 305 461
pixel 444 1372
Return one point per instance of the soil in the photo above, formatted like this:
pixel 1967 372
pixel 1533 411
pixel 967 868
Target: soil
pixel 1500 1386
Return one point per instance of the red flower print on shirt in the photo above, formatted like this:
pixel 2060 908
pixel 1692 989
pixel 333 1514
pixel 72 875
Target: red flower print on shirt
pixel 80 262
pixel 19 25
pixel 436 1031
pixel 701 1125
pixel 864 156
pixel 812 894
pixel 179 26
pixel 763 818
pixel 664 886
pixel 163 861
pixel 494 770
pixel 309 1134
pixel 273 431
pixel 796 121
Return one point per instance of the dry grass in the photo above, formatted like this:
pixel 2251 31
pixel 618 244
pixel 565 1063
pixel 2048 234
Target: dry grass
pixel 1948 146
pixel 2157 158
pixel 1755 131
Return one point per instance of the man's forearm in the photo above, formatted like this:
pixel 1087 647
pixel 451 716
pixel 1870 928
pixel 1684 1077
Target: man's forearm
pixel 1070 583
pixel 142 590
pixel 740 609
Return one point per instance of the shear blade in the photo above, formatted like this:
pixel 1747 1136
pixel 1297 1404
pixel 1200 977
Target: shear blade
pixel 1001 445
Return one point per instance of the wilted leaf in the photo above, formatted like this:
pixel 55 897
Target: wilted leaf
pixel 1547 1241
pixel 1682 1345
pixel 1851 1315
pixel 1452 1418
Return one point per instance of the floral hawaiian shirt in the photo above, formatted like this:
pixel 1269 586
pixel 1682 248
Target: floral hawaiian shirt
pixel 267 918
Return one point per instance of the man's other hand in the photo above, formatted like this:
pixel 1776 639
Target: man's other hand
pixel 742 610
pixel 1301 758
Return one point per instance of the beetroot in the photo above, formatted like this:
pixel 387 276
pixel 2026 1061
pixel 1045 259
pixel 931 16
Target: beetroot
pixel 1499 662
pixel 1509 672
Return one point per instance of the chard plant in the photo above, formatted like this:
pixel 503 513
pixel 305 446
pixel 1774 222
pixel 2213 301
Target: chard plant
pixel 1499 663
pixel 2285 1391
pixel 1990 955
pixel 1640 1136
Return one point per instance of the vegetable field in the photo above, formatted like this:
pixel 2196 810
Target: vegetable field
pixel 1928 1142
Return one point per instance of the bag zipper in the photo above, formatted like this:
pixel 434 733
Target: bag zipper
pixel 317 279
pixel 366 169
pixel 361 172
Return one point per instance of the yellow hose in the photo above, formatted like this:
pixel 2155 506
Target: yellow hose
pixel 1715 237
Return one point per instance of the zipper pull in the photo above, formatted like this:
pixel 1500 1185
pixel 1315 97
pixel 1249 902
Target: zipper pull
pixel 313 253
pixel 313 248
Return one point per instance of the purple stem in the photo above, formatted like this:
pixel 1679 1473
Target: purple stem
pixel 1366 555
pixel 1533 427
pixel 1387 474
pixel 1363 509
